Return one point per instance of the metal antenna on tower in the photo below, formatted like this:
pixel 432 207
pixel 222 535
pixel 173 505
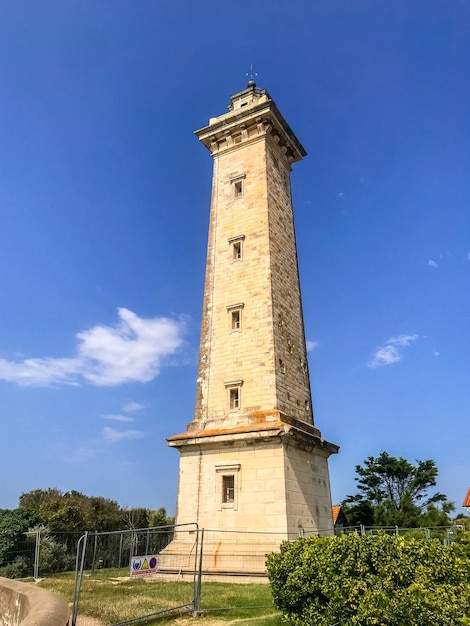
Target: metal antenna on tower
pixel 252 74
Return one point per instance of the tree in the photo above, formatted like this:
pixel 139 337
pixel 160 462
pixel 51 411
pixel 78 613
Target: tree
pixel 72 511
pixel 392 491
pixel 160 518
pixel 14 525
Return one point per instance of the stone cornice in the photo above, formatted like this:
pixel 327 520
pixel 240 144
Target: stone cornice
pixel 299 433
pixel 238 128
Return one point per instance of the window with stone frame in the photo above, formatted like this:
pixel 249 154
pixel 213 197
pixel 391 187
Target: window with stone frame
pixel 238 183
pixel 228 485
pixel 234 398
pixel 234 391
pixel 228 489
pixel 235 317
pixel 236 247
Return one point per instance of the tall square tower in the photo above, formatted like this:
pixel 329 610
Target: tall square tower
pixel 252 458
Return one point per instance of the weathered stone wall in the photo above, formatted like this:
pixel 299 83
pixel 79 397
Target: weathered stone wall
pixel 267 352
pixel 292 378
pixel 308 499
pixel 259 503
pixel 22 604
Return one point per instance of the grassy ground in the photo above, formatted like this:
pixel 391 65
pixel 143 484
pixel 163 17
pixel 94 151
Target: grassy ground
pixel 111 596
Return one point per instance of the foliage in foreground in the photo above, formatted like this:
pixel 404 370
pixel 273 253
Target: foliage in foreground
pixel 376 579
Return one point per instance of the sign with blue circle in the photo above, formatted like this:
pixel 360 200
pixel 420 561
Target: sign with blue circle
pixel 144 565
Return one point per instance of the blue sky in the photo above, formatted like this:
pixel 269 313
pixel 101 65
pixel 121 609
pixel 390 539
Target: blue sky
pixel 104 203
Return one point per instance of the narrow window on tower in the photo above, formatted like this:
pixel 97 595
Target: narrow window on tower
pixel 237 183
pixel 236 247
pixel 237 250
pixel 235 317
pixel 228 489
pixel 234 389
pixel 234 399
pixel 228 485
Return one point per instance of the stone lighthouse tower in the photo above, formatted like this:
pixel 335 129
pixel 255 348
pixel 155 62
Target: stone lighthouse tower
pixel 252 460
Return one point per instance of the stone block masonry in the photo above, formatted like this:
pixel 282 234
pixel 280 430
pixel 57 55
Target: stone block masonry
pixel 252 458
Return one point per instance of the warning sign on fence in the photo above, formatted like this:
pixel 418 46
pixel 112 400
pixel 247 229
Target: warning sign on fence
pixel 143 565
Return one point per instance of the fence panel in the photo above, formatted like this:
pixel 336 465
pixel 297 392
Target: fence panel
pixel 162 554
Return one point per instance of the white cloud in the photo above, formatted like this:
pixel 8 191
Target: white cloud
pixel 116 417
pixel 467 256
pixel 402 340
pixel 130 351
pixel 132 407
pixel 432 263
pixel 390 352
pixel 111 435
pixel 436 353
pixel 311 345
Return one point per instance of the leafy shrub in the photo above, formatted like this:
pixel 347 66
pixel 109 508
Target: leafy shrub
pixel 54 556
pixel 19 568
pixel 372 580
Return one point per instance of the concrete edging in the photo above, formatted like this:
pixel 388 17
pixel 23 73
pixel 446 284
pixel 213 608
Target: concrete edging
pixel 23 604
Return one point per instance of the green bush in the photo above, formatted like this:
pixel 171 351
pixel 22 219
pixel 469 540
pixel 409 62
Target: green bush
pixel 54 557
pixel 378 580
pixel 19 568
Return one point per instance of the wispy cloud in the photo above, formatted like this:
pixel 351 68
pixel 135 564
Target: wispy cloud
pixel 131 351
pixel 311 345
pixel 117 417
pixel 432 263
pixel 467 256
pixel 132 407
pixel 391 351
pixel 111 435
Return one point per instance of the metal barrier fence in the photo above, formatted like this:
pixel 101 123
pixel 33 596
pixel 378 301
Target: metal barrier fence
pixel 169 551
pixel 445 534
pixel 180 553
pixel 37 553
pixel 41 552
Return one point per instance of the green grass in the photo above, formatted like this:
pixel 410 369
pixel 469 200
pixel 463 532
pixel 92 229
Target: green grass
pixel 111 596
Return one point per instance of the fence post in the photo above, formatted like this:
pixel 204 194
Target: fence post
pixel 95 547
pixel 120 551
pixel 197 595
pixel 363 530
pixel 79 564
pixel 36 554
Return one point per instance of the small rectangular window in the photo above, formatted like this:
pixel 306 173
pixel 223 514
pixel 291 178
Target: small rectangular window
pixel 228 485
pixel 236 247
pixel 234 394
pixel 236 319
pixel 234 398
pixel 235 316
pixel 236 180
pixel 237 250
pixel 228 489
